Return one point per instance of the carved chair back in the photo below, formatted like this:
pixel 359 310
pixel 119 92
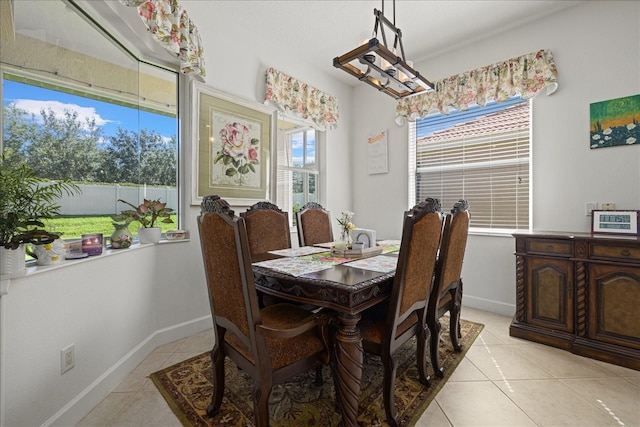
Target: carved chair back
pixel 267 228
pixel 314 225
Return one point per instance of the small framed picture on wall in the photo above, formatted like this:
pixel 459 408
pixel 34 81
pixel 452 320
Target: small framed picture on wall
pixel 615 222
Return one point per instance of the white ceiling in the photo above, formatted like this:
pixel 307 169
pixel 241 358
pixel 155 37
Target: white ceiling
pixel 317 31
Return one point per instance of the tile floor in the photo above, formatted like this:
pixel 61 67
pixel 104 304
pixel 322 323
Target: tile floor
pixel 502 381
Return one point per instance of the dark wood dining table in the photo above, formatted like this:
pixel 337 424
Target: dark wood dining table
pixel 346 290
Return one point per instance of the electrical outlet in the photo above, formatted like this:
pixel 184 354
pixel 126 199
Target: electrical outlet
pixel 67 358
pixel 590 206
pixel 608 206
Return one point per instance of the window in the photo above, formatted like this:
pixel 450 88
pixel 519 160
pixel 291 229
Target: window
pixel 297 168
pixel 77 104
pixel 481 155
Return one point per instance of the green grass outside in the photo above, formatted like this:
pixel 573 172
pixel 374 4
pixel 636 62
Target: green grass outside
pixel 73 227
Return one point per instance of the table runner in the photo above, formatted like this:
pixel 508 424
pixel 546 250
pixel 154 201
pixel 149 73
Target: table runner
pixel 380 263
pixel 294 252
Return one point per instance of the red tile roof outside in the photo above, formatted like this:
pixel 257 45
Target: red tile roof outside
pixel 509 120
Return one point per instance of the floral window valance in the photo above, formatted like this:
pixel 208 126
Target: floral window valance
pixel 289 94
pixel 524 75
pixel 173 29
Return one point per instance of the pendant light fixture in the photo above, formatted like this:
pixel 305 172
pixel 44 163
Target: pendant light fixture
pixel 379 65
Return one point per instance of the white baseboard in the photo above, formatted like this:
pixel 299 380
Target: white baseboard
pixel 491 306
pixel 91 396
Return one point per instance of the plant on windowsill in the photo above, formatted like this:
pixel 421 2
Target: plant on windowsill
pixel 25 201
pixel 148 214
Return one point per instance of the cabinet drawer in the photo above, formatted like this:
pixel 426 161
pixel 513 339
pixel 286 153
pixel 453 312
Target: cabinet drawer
pixel 615 252
pixel 552 247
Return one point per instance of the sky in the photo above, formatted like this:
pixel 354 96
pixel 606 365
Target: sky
pixel 297 147
pixel 108 116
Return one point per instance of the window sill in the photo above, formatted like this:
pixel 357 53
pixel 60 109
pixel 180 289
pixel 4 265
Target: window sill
pixel 33 269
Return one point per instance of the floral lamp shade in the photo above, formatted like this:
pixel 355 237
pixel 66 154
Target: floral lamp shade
pixel 289 94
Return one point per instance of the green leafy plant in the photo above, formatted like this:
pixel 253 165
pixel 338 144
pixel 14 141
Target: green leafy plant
pixel 147 214
pixel 25 201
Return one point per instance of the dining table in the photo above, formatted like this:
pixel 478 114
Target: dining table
pixel 347 285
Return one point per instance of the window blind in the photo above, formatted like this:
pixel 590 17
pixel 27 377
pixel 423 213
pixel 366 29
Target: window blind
pixel 481 155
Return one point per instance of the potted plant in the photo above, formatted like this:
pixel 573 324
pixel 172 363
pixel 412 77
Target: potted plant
pixel 25 201
pixel 149 214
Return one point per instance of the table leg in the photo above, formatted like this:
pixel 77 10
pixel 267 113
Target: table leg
pixel 349 360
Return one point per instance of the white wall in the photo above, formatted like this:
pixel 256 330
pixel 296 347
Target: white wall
pixel 596 46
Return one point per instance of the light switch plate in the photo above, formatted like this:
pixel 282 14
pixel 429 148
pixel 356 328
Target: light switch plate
pixel 590 206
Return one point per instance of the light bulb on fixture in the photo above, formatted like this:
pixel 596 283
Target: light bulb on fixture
pixel 385 70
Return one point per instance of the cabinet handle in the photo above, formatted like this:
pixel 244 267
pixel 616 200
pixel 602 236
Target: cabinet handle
pixel 625 252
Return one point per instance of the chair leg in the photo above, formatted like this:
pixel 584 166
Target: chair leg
pixel 261 393
pixel 434 344
pixel 454 313
pixel 389 389
pixel 217 362
pixel 421 358
pixel 454 327
pixel 318 380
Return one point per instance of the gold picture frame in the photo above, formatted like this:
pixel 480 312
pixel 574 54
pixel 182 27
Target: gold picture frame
pixel 231 152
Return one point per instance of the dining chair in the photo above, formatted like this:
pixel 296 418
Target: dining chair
pixel 314 225
pixel 271 344
pixel 267 228
pixel 384 329
pixel 446 293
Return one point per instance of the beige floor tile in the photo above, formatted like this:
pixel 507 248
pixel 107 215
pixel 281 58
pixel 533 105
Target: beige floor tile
pixel 147 409
pixel 101 415
pixel 433 417
pixel 198 343
pixel 169 347
pixel 479 403
pixel 619 398
pixel 136 379
pixel 488 337
pixel 617 370
pixel 179 357
pixel 500 362
pixel 467 371
pixel 549 402
pixel 633 380
pixel 481 316
pixel 561 363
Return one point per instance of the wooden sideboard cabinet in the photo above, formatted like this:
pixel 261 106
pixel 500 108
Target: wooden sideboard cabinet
pixel 580 292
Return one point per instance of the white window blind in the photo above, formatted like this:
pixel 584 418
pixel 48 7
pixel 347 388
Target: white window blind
pixel 481 155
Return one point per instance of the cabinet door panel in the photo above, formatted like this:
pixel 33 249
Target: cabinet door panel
pixel 614 301
pixel 549 293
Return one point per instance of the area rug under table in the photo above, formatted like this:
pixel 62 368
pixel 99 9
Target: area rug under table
pixel 187 388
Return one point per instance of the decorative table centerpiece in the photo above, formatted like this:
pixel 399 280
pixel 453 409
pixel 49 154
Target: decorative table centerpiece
pixel 346 226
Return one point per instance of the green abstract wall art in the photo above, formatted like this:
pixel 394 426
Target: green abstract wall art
pixel 615 122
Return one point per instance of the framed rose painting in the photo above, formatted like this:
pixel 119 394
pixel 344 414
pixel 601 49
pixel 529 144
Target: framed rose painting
pixel 231 157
